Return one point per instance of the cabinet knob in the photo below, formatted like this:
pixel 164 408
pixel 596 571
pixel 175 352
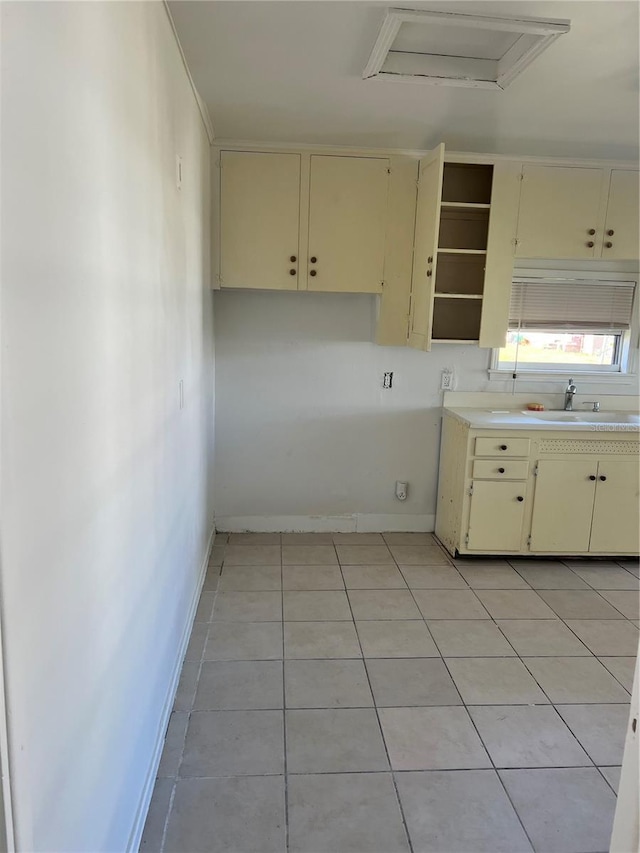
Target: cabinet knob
pixel 500 470
pixel 602 477
pixel 590 244
pixel 591 231
pixel 503 447
pixel 292 272
pixel 592 476
pixel 430 259
pixel 520 498
pixel 293 259
pixel 313 272
pixel 313 259
pixel 608 245
pixel 610 232
pixel 429 273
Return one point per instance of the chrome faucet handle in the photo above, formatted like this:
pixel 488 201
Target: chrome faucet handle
pixel 571 387
pixel 594 403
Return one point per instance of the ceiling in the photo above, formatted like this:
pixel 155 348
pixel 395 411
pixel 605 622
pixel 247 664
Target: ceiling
pixel 292 72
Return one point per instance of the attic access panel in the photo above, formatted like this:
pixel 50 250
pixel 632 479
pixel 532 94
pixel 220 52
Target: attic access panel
pixel 452 49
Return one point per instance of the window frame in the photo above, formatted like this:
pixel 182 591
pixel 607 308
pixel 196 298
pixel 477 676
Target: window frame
pixel 625 372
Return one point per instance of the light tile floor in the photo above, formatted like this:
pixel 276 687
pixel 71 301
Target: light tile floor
pixel 364 693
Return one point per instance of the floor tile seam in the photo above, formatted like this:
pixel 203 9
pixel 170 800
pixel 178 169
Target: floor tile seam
pixel 599 768
pixel 593 589
pixel 566 623
pixel 284 713
pixel 575 735
pixel 165 825
pixel 380 729
pixel 495 770
pixel 612 674
pixel 548 657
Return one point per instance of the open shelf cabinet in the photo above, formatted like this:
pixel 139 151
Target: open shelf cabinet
pixel 460 226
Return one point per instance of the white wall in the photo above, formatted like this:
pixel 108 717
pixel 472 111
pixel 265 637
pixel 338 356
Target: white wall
pixel 303 426
pixel 106 484
pixel 307 439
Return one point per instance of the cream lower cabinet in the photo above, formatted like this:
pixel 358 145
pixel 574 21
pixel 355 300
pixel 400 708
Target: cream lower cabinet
pixel 544 492
pixel 586 506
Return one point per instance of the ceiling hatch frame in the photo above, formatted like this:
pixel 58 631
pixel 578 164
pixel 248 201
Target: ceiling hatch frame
pixel 533 36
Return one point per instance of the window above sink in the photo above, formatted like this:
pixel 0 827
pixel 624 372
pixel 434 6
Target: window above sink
pixel 560 324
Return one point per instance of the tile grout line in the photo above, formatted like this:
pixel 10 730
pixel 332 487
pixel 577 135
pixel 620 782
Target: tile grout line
pixel 176 777
pixel 284 709
pixel 375 709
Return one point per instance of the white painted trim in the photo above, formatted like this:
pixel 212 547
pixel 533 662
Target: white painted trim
pixel 356 523
pixel 231 144
pixel 204 112
pixel 507 68
pixel 135 836
pixel 626 822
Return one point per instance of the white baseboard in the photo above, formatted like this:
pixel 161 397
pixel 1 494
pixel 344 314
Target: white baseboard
pixel 135 836
pixel 357 523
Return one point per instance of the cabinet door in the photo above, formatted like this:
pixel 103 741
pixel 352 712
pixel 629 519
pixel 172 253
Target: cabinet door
pixel 259 216
pixel 347 223
pixel 616 512
pixel 499 260
pixel 622 216
pixel 496 516
pixel 563 505
pixel 558 207
pixel 425 246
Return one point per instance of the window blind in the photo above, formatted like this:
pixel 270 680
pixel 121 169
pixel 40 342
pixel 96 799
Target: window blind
pixel 571 304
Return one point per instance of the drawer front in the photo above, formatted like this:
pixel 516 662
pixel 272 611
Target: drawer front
pixel 495 469
pixel 502 446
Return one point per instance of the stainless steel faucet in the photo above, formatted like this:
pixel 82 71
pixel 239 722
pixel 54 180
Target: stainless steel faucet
pixel 569 394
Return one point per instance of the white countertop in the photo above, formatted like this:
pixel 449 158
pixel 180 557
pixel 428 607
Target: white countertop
pixel 496 418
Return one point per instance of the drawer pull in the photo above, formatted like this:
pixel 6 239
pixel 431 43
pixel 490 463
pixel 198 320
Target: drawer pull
pixel 520 498
pixel 503 447
pixel 500 470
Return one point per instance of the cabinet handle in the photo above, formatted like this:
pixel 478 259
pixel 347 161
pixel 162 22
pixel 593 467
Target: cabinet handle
pixel 500 470
pixel 313 272
pixel 602 477
pixel 503 447
pixel 610 232
pixel 429 273
pixel 590 244
pixel 293 259
pixel 313 259
pixel 430 258
pixel 592 476
pixel 520 498
pixel 292 272
pixel 608 245
pixel 591 231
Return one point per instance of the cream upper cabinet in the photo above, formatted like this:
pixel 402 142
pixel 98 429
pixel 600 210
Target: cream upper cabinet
pixel 463 252
pixel 559 212
pixel 620 239
pixel 575 212
pixel 259 220
pixel 296 221
pixel 348 199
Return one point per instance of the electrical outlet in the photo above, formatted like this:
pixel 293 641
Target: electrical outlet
pixel 446 380
pixel 401 490
pixel 387 380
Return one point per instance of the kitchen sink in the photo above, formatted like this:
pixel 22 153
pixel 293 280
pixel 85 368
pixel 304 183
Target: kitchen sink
pixel 586 417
